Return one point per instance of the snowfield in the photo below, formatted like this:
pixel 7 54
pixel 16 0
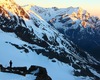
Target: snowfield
pixel 9 76
pixel 56 70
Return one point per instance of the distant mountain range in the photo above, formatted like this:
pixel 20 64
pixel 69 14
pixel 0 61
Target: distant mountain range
pixel 75 23
pixel 37 50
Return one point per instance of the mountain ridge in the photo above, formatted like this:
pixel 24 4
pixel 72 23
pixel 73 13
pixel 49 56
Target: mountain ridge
pixel 35 42
pixel 75 23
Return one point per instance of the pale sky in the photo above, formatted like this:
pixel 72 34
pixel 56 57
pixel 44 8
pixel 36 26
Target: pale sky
pixel 92 6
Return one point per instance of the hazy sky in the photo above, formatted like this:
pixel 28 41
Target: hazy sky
pixel 92 6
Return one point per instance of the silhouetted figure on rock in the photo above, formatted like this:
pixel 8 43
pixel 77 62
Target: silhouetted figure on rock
pixel 10 65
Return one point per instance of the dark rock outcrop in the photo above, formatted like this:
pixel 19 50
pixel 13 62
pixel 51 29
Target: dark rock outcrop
pixel 39 72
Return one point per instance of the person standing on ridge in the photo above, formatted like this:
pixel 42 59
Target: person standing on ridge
pixel 10 63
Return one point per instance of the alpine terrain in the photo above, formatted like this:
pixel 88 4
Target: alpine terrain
pixel 31 49
pixel 75 23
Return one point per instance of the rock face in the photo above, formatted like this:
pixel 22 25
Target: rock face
pixel 77 24
pixel 39 72
pixel 8 4
pixel 33 36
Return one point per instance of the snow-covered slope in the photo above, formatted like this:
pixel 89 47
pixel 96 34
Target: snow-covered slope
pixel 55 68
pixel 76 23
pixel 31 41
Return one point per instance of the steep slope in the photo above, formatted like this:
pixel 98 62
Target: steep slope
pixel 77 24
pixel 32 41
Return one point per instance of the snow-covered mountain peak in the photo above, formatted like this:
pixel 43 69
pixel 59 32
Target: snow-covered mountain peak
pixel 76 23
pixel 28 6
pixel 49 13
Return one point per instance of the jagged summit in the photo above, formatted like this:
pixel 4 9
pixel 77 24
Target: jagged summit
pixel 12 7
